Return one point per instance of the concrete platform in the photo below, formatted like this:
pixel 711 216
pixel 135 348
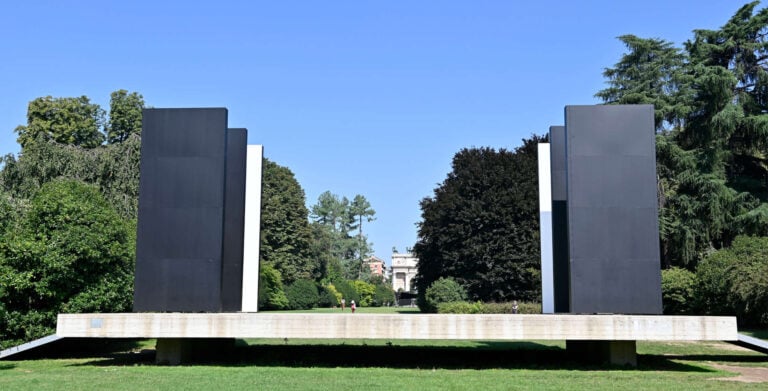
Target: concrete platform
pixel 399 326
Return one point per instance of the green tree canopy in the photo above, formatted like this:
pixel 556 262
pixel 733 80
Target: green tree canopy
pixel 73 121
pixel 71 252
pixel 124 116
pixel 286 236
pixel 113 168
pixel 481 225
pixel 336 218
pixel 652 72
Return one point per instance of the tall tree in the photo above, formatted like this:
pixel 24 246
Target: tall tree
pixel 124 116
pixel 286 235
pixel 361 209
pixel 114 168
pixel 651 72
pixel 729 124
pixel 481 225
pixel 339 218
pixel 73 121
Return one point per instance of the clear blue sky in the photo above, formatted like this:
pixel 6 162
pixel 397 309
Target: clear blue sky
pixel 353 96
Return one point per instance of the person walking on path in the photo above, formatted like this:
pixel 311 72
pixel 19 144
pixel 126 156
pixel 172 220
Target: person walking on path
pixel 352 306
pixel 343 302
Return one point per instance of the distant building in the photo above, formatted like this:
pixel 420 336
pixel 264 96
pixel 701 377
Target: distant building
pixel 376 264
pixel 403 270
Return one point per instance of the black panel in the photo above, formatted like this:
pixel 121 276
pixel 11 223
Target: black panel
pixel 234 221
pixel 612 210
pixel 181 209
pixel 560 272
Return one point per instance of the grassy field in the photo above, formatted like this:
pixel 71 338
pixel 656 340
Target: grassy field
pixel 402 365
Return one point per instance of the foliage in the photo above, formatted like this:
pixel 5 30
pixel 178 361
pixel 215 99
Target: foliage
pixel 327 296
pixel 444 290
pixel 465 307
pixel 72 121
pixel 332 289
pixel 365 292
pixel 347 291
pixel 113 168
pixel 713 285
pixel 302 295
pixel 651 73
pixel 71 252
pixel 734 281
pixel 384 295
pixel 286 235
pixel 271 294
pixel 335 218
pixel 360 209
pixel 677 289
pixel 481 225
pixel 124 116
pixel 460 307
pixel 745 269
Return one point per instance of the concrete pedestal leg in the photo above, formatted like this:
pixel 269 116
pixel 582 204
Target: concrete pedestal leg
pixel 175 351
pixel 600 352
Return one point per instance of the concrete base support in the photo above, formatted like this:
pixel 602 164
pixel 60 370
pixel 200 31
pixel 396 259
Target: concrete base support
pixel 600 352
pixel 175 351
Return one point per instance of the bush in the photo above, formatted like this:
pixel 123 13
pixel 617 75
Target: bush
pixel 348 292
pixel 464 307
pixel 331 288
pixel 327 296
pixel 713 286
pixel 444 290
pixel 302 295
pixel 365 291
pixel 734 281
pixel 384 295
pixel 70 252
pixel 460 307
pixel 271 294
pixel 677 289
pixel 748 275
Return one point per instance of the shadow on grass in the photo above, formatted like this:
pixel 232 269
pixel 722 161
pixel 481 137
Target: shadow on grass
pixel 490 355
pixel 4 366
pixel 714 357
pixel 80 348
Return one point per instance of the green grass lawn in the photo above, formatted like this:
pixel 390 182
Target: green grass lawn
pixel 379 364
pixel 402 365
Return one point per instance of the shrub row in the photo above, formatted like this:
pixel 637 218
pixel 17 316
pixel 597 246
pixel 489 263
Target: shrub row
pixel 307 294
pixel 731 281
pixel 465 307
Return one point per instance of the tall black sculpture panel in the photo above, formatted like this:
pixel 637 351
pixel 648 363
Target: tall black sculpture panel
pixel 234 221
pixel 181 210
pixel 612 209
pixel 560 272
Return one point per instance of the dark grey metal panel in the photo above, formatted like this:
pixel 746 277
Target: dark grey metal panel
pixel 560 270
pixel 181 209
pixel 558 162
pixel 612 210
pixel 234 221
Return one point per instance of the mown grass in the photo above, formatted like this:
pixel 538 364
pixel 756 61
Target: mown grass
pixel 381 364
